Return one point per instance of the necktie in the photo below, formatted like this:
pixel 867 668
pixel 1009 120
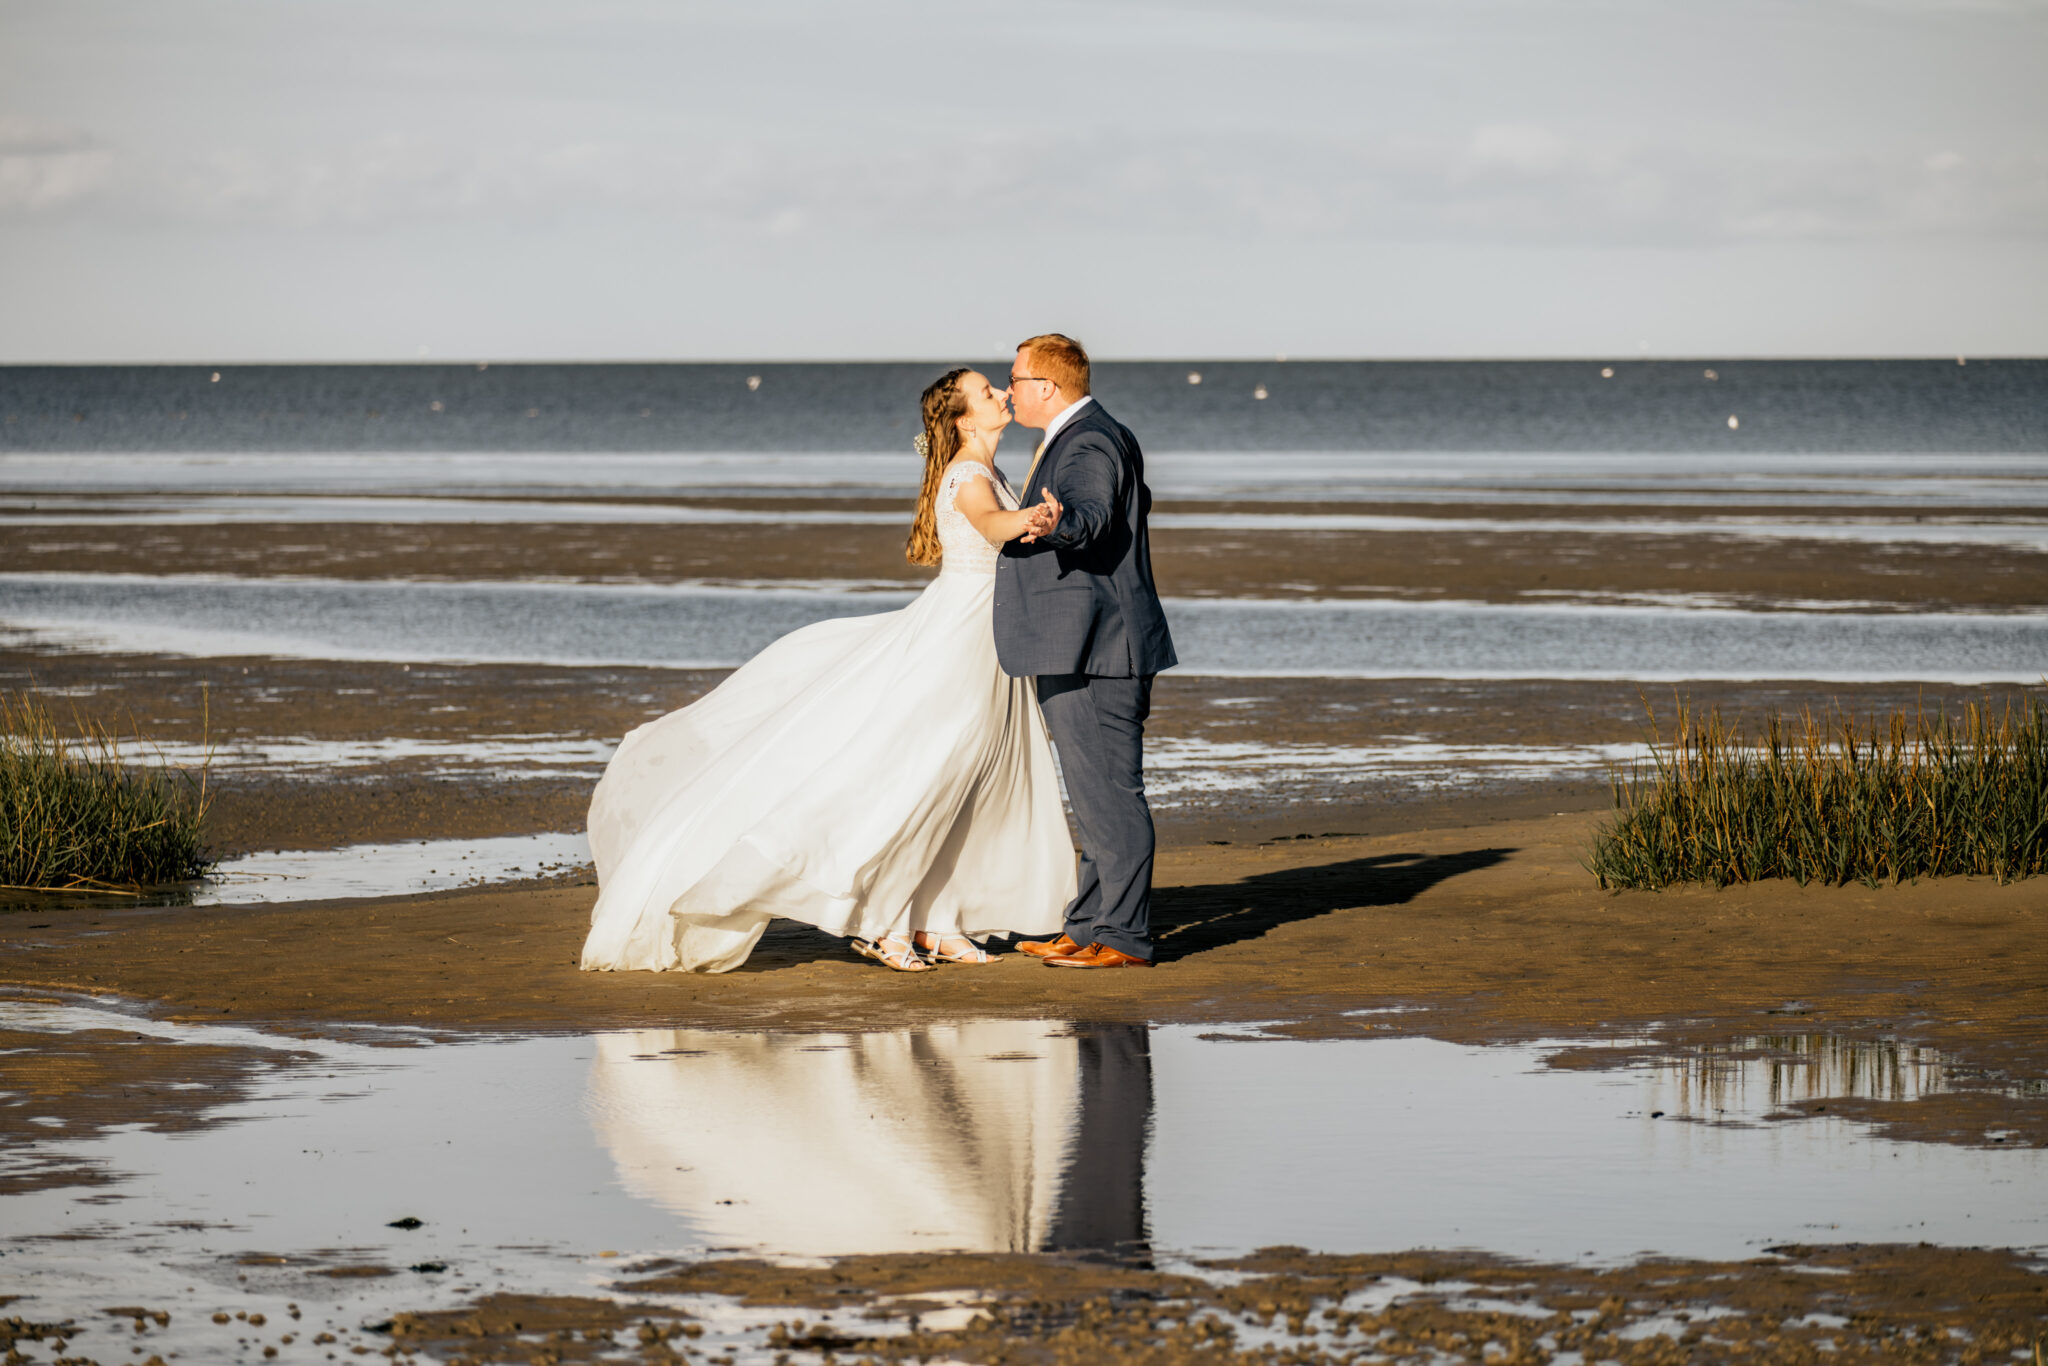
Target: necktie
pixel 1036 457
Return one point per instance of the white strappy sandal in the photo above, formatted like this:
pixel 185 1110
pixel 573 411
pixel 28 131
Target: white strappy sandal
pixel 899 955
pixel 936 950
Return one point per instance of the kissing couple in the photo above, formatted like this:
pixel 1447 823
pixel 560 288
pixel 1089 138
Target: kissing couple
pixel 890 778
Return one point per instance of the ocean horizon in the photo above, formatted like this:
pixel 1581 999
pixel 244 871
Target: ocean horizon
pixel 1700 406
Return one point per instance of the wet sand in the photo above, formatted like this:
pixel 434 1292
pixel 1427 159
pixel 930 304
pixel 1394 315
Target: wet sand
pixel 256 700
pixel 1800 1304
pixel 1794 1304
pixel 1479 933
pixel 1454 563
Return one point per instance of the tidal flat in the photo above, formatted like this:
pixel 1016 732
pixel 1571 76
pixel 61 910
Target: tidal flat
pixel 1406 1084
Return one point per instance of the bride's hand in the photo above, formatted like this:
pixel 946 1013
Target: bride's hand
pixel 1043 518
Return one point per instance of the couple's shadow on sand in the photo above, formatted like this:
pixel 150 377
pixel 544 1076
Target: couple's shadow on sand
pixel 1187 921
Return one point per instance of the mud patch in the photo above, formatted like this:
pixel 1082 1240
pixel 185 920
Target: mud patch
pixel 1799 1304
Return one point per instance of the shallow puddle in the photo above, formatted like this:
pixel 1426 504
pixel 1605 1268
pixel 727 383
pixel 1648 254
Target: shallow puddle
pixel 1178 768
pixel 701 626
pixel 385 869
pixel 491 756
pixel 1972 529
pixel 1766 1072
pixel 538 1164
pixel 1007 1135
pixel 1187 770
pixel 407 868
pixel 1875 480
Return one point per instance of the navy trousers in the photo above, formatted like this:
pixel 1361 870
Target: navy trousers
pixel 1098 726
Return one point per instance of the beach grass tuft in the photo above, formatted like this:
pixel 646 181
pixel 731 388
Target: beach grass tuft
pixel 75 816
pixel 1830 799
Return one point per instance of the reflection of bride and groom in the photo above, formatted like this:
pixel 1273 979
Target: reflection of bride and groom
pixel 890 778
pixel 989 1136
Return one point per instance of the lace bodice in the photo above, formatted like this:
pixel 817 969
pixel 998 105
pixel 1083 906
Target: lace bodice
pixel 966 551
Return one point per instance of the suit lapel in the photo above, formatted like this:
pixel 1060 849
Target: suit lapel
pixel 1080 420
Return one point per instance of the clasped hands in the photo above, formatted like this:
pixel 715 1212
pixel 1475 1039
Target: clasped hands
pixel 1040 520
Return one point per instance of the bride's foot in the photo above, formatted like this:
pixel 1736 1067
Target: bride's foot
pixel 951 948
pixel 892 952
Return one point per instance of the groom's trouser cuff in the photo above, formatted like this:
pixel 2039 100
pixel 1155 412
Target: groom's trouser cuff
pixel 1099 725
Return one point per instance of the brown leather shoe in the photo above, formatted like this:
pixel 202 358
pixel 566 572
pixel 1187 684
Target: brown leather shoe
pixel 1097 956
pixel 1048 948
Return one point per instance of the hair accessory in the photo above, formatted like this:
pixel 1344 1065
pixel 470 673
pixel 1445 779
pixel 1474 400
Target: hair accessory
pixel 922 444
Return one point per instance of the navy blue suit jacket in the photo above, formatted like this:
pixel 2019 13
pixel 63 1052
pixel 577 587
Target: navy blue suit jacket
pixel 1080 600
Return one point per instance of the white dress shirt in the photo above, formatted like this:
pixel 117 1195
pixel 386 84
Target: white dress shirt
pixel 1052 428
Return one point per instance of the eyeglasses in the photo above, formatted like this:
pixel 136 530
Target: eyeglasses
pixel 1032 379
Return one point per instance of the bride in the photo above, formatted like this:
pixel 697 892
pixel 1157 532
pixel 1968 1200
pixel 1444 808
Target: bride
pixel 877 776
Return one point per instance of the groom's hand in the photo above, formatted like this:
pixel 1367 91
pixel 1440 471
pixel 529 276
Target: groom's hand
pixel 1043 518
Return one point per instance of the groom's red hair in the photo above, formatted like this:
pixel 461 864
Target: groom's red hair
pixel 1059 359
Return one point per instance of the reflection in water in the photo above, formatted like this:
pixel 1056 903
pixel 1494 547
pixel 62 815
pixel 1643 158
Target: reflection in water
pixel 1768 1071
pixel 996 1135
pixel 992 1135
pixel 1102 1186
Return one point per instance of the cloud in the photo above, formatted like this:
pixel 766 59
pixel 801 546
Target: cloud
pixel 1507 182
pixel 1524 147
pixel 43 167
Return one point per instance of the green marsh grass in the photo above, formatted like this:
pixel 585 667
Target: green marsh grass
pixel 75 817
pixel 1833 800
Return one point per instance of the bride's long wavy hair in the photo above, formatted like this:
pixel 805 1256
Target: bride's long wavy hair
pixel 943 406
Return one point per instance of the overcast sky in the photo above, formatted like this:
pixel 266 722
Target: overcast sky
pixel 782 179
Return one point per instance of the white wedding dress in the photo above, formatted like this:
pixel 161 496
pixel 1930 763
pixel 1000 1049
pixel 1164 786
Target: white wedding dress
pixel 868 775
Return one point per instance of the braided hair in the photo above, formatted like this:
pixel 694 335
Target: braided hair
pixel 943 404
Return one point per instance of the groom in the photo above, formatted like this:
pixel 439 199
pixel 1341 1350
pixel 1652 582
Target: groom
pixel 1076 608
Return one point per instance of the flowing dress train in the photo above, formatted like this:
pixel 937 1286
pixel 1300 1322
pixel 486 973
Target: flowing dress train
pixel 867 775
